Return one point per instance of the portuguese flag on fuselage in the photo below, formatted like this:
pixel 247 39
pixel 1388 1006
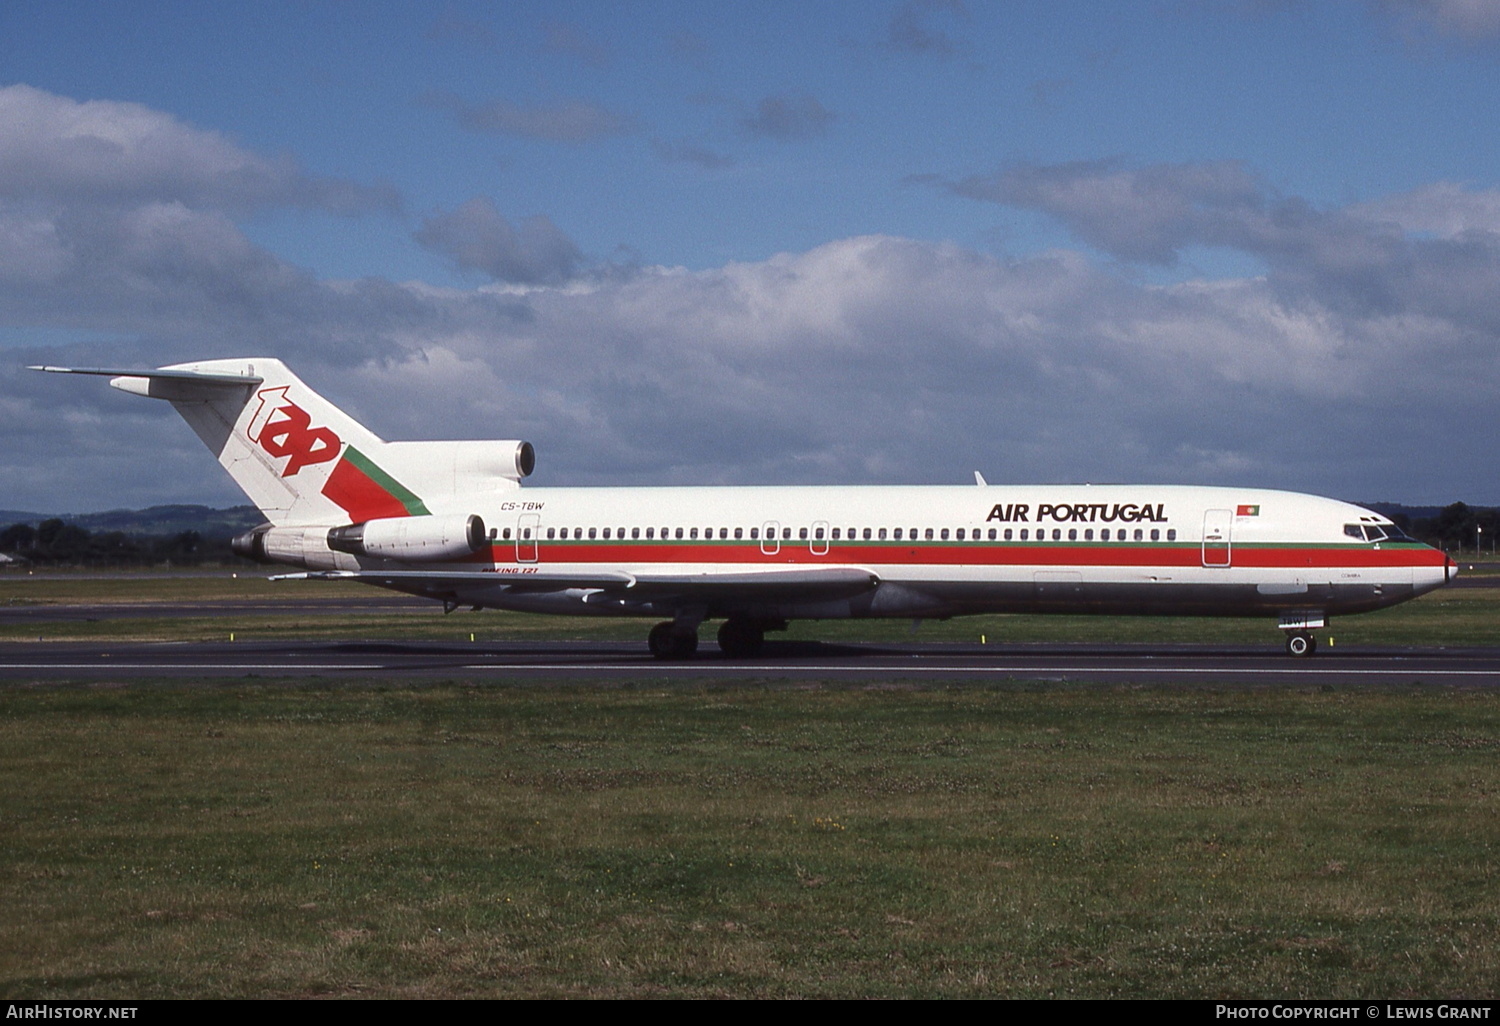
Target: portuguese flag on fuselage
pixel 368 493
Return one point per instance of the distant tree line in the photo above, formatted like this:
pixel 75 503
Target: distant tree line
pixel 57 543
pixel 1458 526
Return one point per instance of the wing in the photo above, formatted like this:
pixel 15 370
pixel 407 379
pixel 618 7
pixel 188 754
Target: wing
pixel 810 584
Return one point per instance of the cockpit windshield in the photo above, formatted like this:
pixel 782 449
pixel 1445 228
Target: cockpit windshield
pixel 1376 532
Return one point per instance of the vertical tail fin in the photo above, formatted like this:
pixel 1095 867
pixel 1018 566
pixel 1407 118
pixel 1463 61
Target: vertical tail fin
pixel 300 458
pixel 289 449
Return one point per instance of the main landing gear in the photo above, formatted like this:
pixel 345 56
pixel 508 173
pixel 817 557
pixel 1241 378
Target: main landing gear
pixel 668 642
pixel 739 638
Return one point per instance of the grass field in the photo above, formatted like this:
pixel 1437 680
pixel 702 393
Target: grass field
pixel 451 840
pixel 371 838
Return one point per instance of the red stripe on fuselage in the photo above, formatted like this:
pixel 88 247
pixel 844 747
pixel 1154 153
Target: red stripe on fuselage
pixel 620 553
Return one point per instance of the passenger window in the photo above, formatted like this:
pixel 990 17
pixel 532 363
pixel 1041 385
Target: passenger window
pixel 679 534
pixel 739 532
pixel 550 532
pixel 1138 534
pixel 960 534
pixel 593 533
pixel 1072 534
pixel 1025 534
pixel 506 534
pixel 992 534
pixel 723 534
pixel 692 533
pixel 635 533
pixel 835 534
pixel 650 533
pixel 606 532
pixel 943 534
pixel 786 532
pixel 1155 534
pixel 1007 534
pixel 1104 535
pixel 1088 535
pixel 896 534
pixel 754 533
pixel 818 534
pixel 1171 534
pixel 1057 534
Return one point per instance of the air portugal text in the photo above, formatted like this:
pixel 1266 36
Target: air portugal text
pixel 1079 512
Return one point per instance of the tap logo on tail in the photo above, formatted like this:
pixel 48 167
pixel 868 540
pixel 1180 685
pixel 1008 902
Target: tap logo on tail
pixel 293 434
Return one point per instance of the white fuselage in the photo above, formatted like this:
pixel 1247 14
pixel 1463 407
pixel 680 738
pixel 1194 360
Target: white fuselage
pixel 938 550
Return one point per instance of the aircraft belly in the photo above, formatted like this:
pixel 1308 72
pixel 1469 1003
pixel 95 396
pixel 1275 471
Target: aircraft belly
pixel 902 591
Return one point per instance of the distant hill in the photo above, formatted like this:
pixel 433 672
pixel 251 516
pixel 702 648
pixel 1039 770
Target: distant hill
pixel 157 520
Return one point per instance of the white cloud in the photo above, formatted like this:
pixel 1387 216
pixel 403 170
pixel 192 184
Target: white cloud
pixel 54 148
pixel 1444 209
pixel 874 359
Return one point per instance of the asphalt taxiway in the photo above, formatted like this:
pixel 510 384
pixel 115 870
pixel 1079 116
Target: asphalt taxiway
pixel 499 663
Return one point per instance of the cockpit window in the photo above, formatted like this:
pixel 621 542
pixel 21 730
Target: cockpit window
pixel 1376 532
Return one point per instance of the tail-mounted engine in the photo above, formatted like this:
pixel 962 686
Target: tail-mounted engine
pixel 417 539
pixel 425 539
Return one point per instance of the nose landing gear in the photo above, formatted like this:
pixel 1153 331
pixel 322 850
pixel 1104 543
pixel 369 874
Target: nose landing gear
pixel 1299 627
pixel 1301 644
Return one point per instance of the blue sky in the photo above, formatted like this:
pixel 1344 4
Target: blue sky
pixel 1240 243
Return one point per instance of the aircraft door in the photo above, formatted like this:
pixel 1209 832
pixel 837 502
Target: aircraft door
pixel 770 538
pixel 818 543
pixel 528 531
pixel 1216 542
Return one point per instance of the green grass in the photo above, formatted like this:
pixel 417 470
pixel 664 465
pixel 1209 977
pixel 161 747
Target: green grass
pixel 1453 617
pixel 218 840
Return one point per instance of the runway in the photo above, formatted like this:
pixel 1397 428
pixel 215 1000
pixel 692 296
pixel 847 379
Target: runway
pixel 612 663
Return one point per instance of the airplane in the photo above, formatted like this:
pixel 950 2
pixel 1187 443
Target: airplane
pixel 450 521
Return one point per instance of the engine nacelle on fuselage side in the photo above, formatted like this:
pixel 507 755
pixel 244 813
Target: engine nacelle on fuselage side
pixel 425 539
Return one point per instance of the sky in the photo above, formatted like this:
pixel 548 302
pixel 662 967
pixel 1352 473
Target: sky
pixel 880 242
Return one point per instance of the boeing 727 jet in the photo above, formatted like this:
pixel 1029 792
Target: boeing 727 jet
pixel 450 521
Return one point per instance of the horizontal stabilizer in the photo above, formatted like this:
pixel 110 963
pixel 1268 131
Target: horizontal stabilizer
pixel 203 377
